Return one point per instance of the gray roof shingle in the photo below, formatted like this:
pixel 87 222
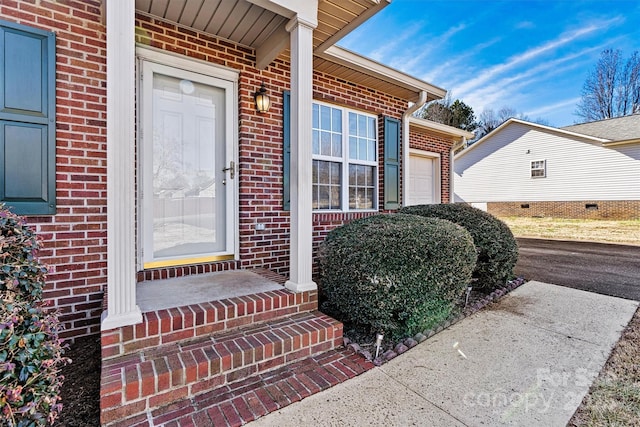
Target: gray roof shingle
pixel 616 129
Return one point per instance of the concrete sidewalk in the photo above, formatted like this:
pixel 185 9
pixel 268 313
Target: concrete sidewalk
pixel 530 359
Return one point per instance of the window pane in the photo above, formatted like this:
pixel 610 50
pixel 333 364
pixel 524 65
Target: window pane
pixel 371 151
pixel 326 185
pixel 335 173
pixel 362 126
pixel 325 144
pixel 335 197
pixel 336 145
pixel 361 187
pixel 353 148
pixel 352 176
pixel 316 142
pixel 353 124
pixel 362 149
pixel 315 172
pixel 323 197
pixel 316 116
pixel 336 122
pixel 371 133
pixel 325 118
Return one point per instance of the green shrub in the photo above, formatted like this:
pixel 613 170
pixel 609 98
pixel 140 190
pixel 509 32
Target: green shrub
pixel 30 350
pixel 496 246
pixel 381 273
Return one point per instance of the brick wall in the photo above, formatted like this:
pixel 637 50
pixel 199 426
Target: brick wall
pixel 421 139
pixel 74 240
pixel 586 209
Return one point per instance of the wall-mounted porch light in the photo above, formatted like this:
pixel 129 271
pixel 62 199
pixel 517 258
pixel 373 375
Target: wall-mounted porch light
pixel 263 102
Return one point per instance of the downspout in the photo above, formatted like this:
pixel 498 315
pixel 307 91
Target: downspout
pixel 452 171
pixel 422 99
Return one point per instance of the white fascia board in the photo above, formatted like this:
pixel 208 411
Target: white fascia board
pixel 623 142
pixel 376 6
pixel 439 127
pixel 368 66
pixel 533 126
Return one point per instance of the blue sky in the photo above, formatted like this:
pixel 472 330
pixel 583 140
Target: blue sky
pixel 533 56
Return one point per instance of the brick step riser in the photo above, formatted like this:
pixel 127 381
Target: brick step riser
pixel 195 368
pixel 172 325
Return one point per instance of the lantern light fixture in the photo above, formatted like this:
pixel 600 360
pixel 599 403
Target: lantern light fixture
pixel 263 102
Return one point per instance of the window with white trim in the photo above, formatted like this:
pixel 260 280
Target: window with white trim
pixel 345 159
pixel 538 168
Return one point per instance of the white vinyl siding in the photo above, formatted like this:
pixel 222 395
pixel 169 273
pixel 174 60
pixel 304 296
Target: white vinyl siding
pixel 499 169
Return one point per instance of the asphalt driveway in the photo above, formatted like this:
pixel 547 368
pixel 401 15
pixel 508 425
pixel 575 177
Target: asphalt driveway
pixel 596 267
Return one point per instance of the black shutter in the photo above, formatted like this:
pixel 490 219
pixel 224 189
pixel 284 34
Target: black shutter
pixel 286 149
pixel 27 119
pixel 391 163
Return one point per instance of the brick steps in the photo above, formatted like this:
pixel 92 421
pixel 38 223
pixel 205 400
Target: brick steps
pixel 155 377
pixel 172 325
pixel 245 400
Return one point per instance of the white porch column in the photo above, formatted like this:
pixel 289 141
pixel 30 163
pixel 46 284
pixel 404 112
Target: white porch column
pixel 301 260
pixel 121 268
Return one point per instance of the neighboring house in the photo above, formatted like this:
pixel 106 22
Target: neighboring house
pixel 131 141
pixel 590 170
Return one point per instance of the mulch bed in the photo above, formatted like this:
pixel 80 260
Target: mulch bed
pixel 81 388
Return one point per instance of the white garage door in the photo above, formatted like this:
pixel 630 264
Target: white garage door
pixel 423 180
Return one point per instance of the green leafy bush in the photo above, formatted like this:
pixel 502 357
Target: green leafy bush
pixel 496 246
pixel 30 350
pixel 384 273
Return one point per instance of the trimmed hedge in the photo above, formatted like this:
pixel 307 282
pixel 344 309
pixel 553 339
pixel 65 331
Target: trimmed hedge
pixel 30 349
pixel 496 246
pixel 394 273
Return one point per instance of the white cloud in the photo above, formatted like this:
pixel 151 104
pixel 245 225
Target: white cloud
pixel 383 52
pixel 493 72
pixel 557 106
pixel 525 25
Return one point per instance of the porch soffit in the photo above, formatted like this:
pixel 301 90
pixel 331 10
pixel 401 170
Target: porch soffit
pixel 246 23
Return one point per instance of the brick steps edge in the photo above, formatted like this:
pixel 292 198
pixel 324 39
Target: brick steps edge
pixel 157 377
pixel 165 326
pixel 246 400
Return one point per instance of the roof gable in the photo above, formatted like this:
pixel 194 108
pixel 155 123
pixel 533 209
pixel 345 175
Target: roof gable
pixel 534 126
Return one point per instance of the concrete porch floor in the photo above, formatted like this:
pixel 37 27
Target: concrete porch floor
pixel 199 288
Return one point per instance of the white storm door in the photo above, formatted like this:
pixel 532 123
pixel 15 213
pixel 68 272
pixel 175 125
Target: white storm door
pixel 424 179
pixel 187 210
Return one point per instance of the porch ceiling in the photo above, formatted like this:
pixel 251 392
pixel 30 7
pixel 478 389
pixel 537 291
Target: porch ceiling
pixel 246 23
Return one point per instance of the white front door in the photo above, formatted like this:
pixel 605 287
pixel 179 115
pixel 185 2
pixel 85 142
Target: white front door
pixel 187 196
pixel 424 178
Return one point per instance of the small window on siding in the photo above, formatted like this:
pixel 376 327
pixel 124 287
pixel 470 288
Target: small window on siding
pixel 27 119
pixel 538 168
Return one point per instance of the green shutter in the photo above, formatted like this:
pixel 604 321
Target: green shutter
pixel 391 163
pixel 286 149
pixel 27 119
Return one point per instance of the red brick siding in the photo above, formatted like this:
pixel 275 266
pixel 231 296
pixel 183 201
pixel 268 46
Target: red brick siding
pixel 421 139
pixel 74 240
pixel 606 209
